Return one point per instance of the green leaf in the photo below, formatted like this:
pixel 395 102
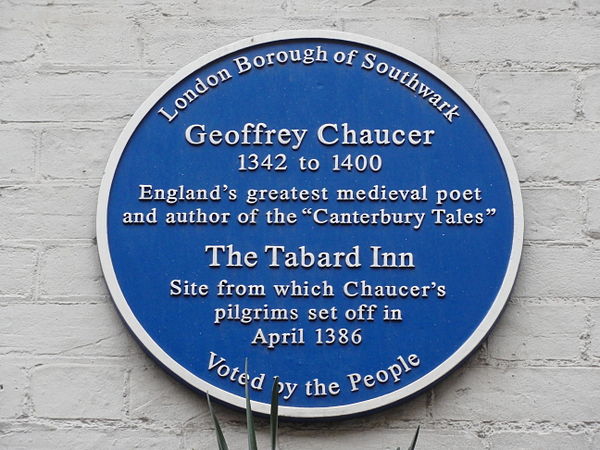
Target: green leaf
pixel 414 441
pixel 249 418
pixel 220 437
pixel 274 413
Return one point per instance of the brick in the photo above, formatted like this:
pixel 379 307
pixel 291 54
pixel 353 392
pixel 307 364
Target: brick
pixel 539 441
pixel 538 332
pixel 331 437
pixel 22 37
pixel 529 97
pixel 555 39
pixel 18 154
pixel 77 391
pixel 591 97
pixel 593 213
pixel 76 153
pixel 342 439
pixel 70 37
pixel 595 441
pixel 17 271
pixel 588 6
pixel 155 395
pixel 48 212
pixel 72 271
pixel 432 7
pixel 63 329
pixel 345 7
pixel 414 409
pixel 447 439
pixel 553 214
pixel 519 394
pixel 595 333
pixel 37 437
pixel 207 9
pixel 467 79
pixel 517 6
pixel 214 8
pixel 13 385
pixel 237 438
pixel 166 39
pixel 558 272
pixel 88 4
pixel 417 35
pixel 49 97
pixel 555 155
pixel 139 438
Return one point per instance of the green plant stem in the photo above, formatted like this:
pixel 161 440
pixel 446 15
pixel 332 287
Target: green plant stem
pixel 249 417
pixel 274 413
pixel 220 438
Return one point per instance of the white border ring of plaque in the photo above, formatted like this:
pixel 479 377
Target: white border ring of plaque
pixel 310 412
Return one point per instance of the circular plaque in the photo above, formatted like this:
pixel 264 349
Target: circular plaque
pixel 330 208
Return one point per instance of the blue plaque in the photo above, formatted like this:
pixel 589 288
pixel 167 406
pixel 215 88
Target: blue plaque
pixel 332 208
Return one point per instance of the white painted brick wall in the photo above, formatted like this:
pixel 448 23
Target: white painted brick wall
pixel 36 437
pixel 549 39
pixel 593 213
pixel 73 71
pixel 510 97
pixel 49 211
pixel 556 155
pixel 519 394
pixel 63 329
pixel 540 332
pixel 77 391
pixel 156 396
pixel 72 270
pixel 591 97
pixel 14 387
pixel 17 271
pixel 539 441
pixel 75 152
pixel 554 214
pixel 595 332
pixel 18 153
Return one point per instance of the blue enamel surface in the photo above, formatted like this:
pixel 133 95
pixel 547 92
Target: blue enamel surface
pixel 470 261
